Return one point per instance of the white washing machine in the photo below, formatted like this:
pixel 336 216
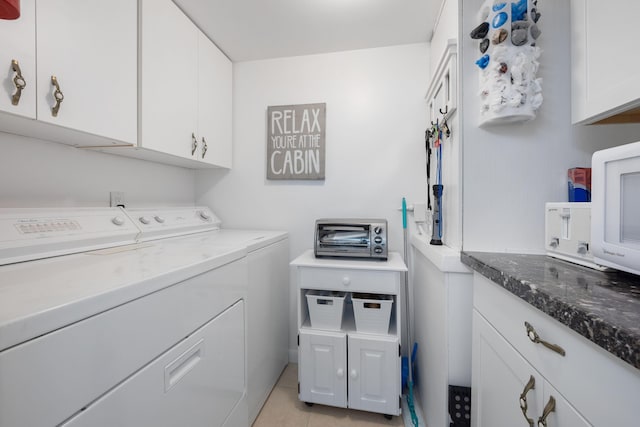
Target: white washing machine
pixel 267 304
pixel 105 323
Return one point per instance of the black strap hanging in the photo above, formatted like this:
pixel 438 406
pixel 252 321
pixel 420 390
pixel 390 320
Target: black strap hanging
pixel 427 146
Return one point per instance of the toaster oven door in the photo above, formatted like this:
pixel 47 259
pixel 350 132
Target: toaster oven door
pixel 343 239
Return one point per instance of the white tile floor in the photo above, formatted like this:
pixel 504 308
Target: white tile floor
pixel 283 409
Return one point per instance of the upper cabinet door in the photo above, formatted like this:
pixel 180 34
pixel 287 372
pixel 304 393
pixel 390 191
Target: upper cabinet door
pixel 18 43
pixel 168 80
pixel 214 103
pixel 604 59
pixel 90 48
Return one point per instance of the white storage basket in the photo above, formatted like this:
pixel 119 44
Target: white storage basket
pixel 372 312
pixel 325 309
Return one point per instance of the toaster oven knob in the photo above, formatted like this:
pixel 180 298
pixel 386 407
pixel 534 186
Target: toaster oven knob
pixel 378 240
pixel 377 250
pixel 554 242
pixel 377 229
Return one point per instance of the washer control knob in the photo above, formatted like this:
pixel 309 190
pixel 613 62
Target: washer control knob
pixel 118 220
pixel 145 219
pixel 159 219
pixel 205 215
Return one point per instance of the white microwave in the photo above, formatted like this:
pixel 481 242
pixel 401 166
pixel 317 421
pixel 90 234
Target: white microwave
pixel 615 207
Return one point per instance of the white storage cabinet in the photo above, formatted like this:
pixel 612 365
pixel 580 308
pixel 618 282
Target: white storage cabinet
pixel 604 81
pixel 585 387
pixel 344 367
pixel 89 49
pixel 185 89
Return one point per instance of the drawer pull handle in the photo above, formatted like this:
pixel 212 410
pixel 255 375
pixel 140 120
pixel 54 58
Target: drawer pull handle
pixel 549 408
pixel 181 366
pixel 57 95
pixel 535 338
pixel 18 81
pixel 523 399
pixel 346 280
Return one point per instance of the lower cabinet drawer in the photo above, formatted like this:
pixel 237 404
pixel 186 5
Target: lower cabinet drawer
pixel 384 282
pixel 599 385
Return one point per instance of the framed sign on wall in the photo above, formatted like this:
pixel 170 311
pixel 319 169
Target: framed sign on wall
pixel 296 142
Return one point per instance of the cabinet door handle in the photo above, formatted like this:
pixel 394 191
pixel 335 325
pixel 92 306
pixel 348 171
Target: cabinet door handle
pixel 18 81
pixel 340 373
pixel 194 143
pixel 57 95
pixel 548 408
pixel 204 147
pixel 535 338
pixel 523 399
pixel 354 374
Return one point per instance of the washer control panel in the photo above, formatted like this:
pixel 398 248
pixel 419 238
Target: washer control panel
pixel 156 223
pixel 33 233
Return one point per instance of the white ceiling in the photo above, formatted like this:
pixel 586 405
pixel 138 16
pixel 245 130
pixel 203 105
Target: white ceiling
pixel 258 29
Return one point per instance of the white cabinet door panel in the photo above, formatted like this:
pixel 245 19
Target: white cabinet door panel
pixel 563 414
pixel 604 63
pixel 168 79
pixel 500 375
pixel 91 48
pixel 374 366
pixel 322 368
pixel 214 103
pixel 18 42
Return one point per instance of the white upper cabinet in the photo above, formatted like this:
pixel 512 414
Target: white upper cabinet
pixel 214 103
pixel 185 92
pixel 18 60
pixel 168 79
pixel 90 47
pixel 87 47
pixel 604 58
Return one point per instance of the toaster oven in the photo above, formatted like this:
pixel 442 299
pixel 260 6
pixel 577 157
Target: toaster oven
pixel 351 238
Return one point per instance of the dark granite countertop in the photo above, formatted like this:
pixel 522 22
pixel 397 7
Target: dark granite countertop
pixel 602 307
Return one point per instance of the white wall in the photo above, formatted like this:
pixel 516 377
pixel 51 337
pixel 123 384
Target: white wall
pixel 35 173
pixel 510 171
pixel 376 116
